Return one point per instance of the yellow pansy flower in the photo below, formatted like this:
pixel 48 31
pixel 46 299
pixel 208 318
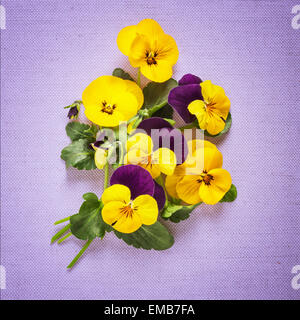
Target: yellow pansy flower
pixel 110 100
pixel 150 49
pixel 212 111
pixel 124 214
pixel 140 152
pixel 201 177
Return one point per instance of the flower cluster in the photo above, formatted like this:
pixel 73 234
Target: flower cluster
pixel 161 172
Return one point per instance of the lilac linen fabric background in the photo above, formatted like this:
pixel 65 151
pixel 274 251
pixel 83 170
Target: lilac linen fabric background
pixel 51 50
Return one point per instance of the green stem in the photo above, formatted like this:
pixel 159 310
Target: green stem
pixel 139 77
pixel 65 237
pixel 188 126
pixel 106 175
pixel 62 220
pixel 79 254
pixel 156 108
pixel 137 122
pixel 160 181
pixel 121 148
pixel 60 233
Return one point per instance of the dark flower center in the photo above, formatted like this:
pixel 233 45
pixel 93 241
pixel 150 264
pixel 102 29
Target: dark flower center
pixel 151 57
pixel 128 210
pixel 206 178
pixel 108 108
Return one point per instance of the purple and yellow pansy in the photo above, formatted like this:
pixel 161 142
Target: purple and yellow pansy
pixel 202 100
pixel 133 199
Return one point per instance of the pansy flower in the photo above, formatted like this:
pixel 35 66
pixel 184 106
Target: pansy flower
pixel 150 49
pixel 133 199
pixel 100 152
pixel 201 178
pixel 140 152
pixel 110 100
pixel 194 98
pixel 163 134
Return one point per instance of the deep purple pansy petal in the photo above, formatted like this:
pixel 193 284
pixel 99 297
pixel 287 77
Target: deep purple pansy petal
pixel 136 178
pixel 159 195
pixel 189 79
pixel 180 97
pixel 154 123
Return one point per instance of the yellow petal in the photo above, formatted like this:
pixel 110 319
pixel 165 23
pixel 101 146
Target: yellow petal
pixel 194 145
pixel 136 156
pixel 140 141
pixel 104 119
pixel 215 124
pixel 216 98
pixel 116 192
pixel 128 224
pixel 100 158
pixel 171 181
pixel 125 39
pixel 126 103
pixel 188 189
pixel 198 108
pixel 149 27
pixel 115 213
pixel 146 207
pixel 153 169
pixel 166 49
pixel 221 183
pixel 212 159
pixel 139 47
pixel 166 159
pixel 111 212
pixel 102 88
pixel 200 158
pixel 160 72
pixel 133 88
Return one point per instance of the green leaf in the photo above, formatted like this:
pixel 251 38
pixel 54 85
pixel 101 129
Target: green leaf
pixel 226 128
pixel 88 223
pixel 170 209
pixel 182 214
pixel 90 196
pixel 92 131
pixel 177 213
pixel 155 236
pixel 156 94
pixel 76 130
pixel 230 195
pixel 120 73
pixel 165 112
pixel 79 155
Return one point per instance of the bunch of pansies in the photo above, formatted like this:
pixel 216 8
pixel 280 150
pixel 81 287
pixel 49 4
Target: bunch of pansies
pixel 160 172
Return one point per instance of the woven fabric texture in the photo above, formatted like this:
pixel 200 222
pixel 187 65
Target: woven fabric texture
pixel 51 50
